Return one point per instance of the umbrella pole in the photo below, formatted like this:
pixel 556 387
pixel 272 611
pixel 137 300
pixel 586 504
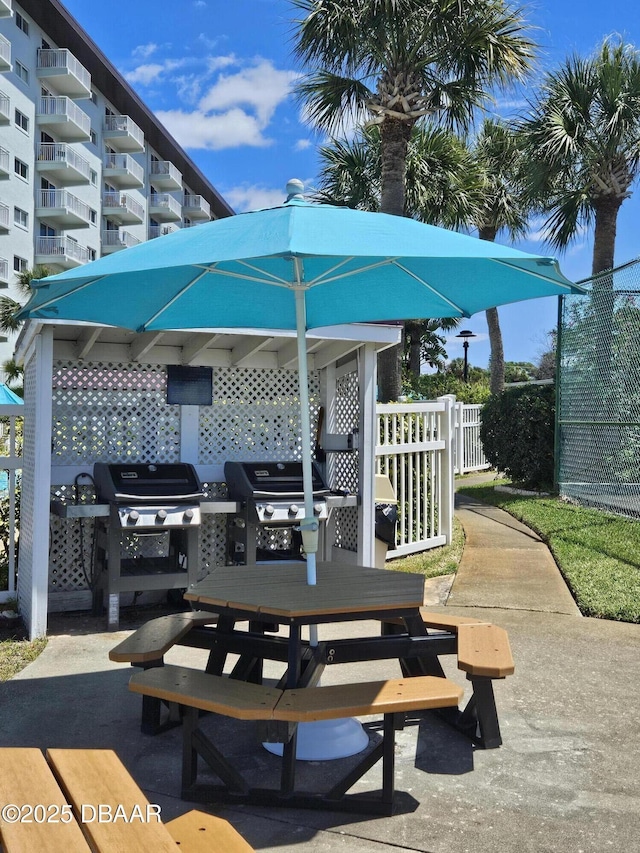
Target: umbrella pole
pixel 309 524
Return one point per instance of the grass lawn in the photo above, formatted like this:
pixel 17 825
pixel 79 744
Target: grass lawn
pixel 436 561
pixel 16 654
pixel 598 553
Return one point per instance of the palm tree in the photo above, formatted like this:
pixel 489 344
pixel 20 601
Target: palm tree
pixel 442 189
pixel 582 143
pixel 394 62
pixel 9 324
pixel 497 156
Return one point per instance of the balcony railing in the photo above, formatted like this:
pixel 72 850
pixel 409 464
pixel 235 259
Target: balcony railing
pixel 5 54
pixel 4 161
pixel 63 108
pixel 164 174
pixel 165 206
pixel 63 247
pixel 59 154
pixel 158 231
pixel 64 201
pixel 4 216
pixel 125 204
pixel 123 169
pixel 4 270
pixel 196 207
pixel 124 133
pixel 5 8
pixel 112 239
pixel 5 108
pixel 72 78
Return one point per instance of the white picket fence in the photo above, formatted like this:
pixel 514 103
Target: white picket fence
pixel 10 463
pixel 420 448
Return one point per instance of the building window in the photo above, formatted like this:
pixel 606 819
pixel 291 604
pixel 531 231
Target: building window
pixel 94 178
pixel 22 23
pixel 20 264
pixel 21 71
pixel 93 137
pixel 20 217
pixel 22 121
pixel 94 96
pixel 21 169
pixel 93 216
pixel 91 253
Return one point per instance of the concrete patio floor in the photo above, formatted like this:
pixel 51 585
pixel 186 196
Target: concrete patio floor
pixel 566 779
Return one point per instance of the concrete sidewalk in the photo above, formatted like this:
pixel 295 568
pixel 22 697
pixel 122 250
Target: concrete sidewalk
pixel 566 779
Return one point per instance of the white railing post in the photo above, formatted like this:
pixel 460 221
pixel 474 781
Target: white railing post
pixel 459 437
pixel 446 433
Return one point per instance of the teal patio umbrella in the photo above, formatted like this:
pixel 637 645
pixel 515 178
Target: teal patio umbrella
pixel 298 266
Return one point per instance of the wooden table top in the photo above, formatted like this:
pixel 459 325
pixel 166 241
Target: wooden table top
pixel 281 589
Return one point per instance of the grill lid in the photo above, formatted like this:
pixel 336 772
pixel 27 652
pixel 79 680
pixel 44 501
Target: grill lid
pixel 159 483
pixel 255 480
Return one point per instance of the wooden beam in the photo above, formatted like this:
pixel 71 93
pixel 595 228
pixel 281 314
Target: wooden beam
pixel 288 355
pixel 142 343
pixel 249 346
pixel 86 340
pixel 335 351
pixel 196 346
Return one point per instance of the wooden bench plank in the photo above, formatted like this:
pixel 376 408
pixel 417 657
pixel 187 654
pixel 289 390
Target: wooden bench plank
pixel 374 697
pixel 241 700
pixel 444 621
pixel 154 639
pixel 96 777
pixel 27 781
pixel 484 650
pixel 198 830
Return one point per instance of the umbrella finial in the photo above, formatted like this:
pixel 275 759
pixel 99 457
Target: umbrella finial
pixel 295 189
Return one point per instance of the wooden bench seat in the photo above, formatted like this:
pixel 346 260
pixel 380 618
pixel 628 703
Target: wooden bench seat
pixel 147 646
pixel 93 804
pixel 149 643
pixel 484 650
pixel 246 701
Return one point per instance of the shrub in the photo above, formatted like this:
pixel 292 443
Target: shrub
pixel 517 433
pixel 430 386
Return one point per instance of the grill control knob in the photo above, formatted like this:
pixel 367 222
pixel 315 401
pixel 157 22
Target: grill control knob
pixel 317 508
pixel 134 515
pixel 188 514
pixel 161 514
pixel 269 510
pixel 294 509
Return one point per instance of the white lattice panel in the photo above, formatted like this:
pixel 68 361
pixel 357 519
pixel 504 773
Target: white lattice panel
pixel 112 412
pixel 346 464
pixel 27 532
pixel 255 415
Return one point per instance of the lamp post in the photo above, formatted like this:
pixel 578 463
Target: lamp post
pixel 465 334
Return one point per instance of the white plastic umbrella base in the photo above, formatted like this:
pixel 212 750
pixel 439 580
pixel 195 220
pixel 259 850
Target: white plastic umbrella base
pixel 325 740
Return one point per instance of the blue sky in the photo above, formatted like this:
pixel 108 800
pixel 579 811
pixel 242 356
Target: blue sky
pixel 219 74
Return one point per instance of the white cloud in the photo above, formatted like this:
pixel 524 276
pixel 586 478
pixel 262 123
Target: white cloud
pixel 213 132
pixel 214 63
pixel 200 4
pixel 144 51
pixel 261 88
pixel 254 197
pixel 302 145
pixel 145 74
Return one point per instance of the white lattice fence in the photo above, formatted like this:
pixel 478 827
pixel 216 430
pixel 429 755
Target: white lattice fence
pixel 117 412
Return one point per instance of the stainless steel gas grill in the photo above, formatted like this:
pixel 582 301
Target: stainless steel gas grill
pixel 271 500
pixel 149 540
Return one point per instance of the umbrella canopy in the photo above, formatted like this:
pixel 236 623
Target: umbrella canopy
pixel 298 266
pixel 240 272
pixel 8 397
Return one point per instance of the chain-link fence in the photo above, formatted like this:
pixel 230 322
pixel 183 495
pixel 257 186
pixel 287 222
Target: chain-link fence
pixel 598 414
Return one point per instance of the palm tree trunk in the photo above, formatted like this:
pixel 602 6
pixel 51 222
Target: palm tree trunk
pixel 394 143
pixel 496 378
pixel 604 240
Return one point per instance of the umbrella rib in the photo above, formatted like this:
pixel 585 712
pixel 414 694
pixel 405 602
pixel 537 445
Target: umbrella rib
pixel 75 290
pixel 322 278
pixel 516 268
pixel 173 299
pixel 432 289
pixel 260 278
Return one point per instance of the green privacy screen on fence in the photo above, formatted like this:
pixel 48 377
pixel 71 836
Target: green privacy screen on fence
pixel 598 411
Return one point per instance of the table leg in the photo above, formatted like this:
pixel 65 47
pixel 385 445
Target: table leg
pixel 425 664
pixel 218 654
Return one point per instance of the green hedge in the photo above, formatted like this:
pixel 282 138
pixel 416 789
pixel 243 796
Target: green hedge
pixel 517 434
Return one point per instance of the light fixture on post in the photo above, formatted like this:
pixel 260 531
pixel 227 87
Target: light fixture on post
pixel 465 334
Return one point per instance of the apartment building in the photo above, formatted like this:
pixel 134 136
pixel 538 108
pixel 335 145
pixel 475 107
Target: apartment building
pixel 85 167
